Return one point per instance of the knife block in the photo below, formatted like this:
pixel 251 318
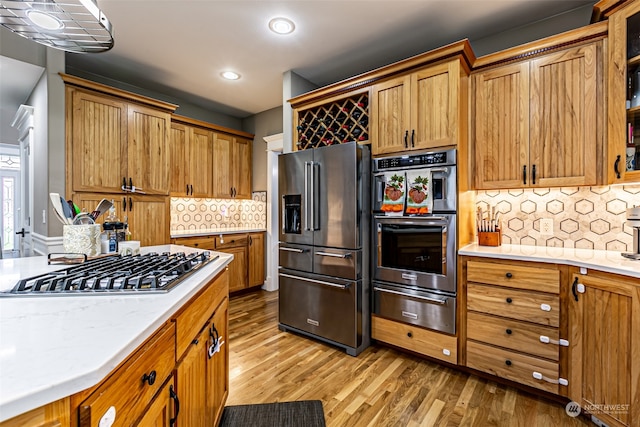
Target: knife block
pixel 490 238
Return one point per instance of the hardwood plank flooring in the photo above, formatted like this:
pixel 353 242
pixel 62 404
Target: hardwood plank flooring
pixel 380 387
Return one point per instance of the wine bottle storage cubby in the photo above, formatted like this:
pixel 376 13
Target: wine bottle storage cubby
pixel 337 122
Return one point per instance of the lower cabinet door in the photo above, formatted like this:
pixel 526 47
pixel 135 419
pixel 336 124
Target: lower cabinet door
pixel 163 408
pixel 320 307
pixel 217 388
pixel 191 383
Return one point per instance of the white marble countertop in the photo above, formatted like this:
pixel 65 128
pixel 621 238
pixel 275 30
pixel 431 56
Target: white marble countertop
pixel 213 232
pixel 54 346
pixel 607 261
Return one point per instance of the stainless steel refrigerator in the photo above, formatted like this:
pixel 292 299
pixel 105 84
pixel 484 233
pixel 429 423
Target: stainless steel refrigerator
pixel 324 244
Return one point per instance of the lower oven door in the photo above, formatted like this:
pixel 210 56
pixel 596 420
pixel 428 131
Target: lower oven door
pixel 326 307
pixel 420 308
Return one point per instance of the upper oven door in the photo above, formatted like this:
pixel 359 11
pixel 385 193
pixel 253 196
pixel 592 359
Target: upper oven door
pixel 442 188
pixel 416 251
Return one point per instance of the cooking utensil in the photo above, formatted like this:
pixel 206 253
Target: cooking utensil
pixel 102 207
pixel 57 207
pixel 66 210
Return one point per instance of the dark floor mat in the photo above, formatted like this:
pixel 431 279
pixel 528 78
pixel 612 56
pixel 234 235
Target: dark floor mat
pixel 306 413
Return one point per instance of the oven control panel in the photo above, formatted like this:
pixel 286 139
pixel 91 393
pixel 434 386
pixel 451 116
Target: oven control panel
pixel 425 159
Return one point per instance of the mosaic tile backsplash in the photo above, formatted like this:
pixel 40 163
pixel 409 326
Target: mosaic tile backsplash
pixel 219 214
pixel 583 217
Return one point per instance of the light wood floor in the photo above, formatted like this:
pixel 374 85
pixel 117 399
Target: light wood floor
pixel 380 387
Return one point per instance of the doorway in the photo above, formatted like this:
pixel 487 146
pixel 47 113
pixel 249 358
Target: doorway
pixel 10 190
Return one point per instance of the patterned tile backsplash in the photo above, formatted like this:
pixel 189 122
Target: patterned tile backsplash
pixel 583 217
pixel 219 214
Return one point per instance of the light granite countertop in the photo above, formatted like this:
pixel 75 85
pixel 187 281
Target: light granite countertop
pixel 54 346
pixel 606 261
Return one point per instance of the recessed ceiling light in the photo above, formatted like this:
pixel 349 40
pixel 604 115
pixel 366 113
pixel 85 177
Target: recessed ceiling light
pixel 230 75
pixel 44 20
pixel 281 25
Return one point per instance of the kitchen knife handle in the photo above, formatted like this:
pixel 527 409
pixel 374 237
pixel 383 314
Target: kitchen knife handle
pixel 616 167
pixel 524 174
pixel 413 135
pixel 406 137
pixel 533 174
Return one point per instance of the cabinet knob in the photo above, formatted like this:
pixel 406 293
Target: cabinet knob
pixel 508 362
pixel 509 300
pixel 410 335
pixel 149 379
pixel 509 331
pixel 509 275
pixel 195 342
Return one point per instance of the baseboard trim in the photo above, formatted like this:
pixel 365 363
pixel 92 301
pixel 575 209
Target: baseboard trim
pixel 44 245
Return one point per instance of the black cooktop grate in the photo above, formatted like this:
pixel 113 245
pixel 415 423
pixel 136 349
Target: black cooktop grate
pixel 128 274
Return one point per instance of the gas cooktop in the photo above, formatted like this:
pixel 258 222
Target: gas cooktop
pixel 148 273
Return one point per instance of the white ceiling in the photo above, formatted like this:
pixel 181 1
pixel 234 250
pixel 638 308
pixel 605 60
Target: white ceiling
pixel 179 47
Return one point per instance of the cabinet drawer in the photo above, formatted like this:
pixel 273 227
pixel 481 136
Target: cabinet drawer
pixel 231 240
pixel 514 276
pixel 190 320
pixel 423 341
pixel 125 389
pixel 513 366
pixel 516 304
pixel 205 242
pixel 513 334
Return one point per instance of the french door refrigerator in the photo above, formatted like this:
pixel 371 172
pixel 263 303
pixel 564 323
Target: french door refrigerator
pixel 324 244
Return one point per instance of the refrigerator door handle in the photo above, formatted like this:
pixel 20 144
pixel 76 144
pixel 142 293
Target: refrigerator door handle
pixel 306 196
pixel 296 250
pixel 314 196
pixel 347 255
pixel 320 282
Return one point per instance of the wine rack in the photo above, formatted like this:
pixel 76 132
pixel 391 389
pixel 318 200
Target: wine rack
pixel 337 122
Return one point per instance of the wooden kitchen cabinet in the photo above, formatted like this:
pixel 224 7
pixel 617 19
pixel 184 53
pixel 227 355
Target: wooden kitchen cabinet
pixel 191 161
pixel 513 327
pixel 237 245
pixel 231 166
pixel 623 64
pixel 256 259
pixel 115 138
pixel 418 111
pixel 148 216
pixel 134 385
pixel 202 375
pixel 54 414
pixel 536 122
pixel 604 321
pixel 160 412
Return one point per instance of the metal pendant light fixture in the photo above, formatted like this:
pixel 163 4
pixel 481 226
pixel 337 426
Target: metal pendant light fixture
pixel 70 25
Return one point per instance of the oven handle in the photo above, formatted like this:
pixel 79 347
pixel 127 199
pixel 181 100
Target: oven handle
pixel 320 282
pixel 347 255
pixel 431 300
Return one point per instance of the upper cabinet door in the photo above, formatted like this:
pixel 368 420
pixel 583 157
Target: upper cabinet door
pixel 179 165
pixel 241 164
pixel 563 117
pixel 502 126
pixel 390 115
pixel 200 155
pixel 98 131
pixel 222 179
pixel 434 106
pixel 148 149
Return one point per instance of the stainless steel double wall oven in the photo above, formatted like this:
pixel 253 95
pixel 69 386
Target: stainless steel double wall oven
pixel 415 255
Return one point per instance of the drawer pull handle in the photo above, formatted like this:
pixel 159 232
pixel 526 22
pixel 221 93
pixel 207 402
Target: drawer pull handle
pixel 149 379
pixel 509 275
pixel 561 381
pixel 296 250
pixel 509 300
pixel 545 307
pixel 410 335
pixel 329 254
pixel 545 339
pixel 508 362
pixel 195 342
pixel 509 331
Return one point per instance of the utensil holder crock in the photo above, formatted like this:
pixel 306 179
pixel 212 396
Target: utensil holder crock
pixel 81 239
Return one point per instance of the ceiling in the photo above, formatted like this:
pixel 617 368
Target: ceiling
pixel 180 47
